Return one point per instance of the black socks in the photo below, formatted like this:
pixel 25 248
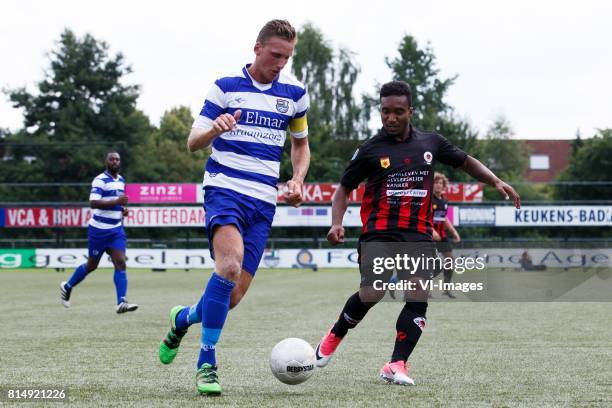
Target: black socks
pixel 409 326
pixel 353 312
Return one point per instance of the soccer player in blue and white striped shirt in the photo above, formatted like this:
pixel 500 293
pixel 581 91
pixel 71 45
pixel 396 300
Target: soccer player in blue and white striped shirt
pixel 245 119
pixel 105 232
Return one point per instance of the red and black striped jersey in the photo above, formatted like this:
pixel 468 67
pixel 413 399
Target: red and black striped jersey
pixel 440 208
pixel 397 198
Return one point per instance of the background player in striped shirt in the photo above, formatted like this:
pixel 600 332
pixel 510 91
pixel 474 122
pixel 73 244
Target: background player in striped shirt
pixel 442 224
pixel 105 233
pixel 245 119
pixel 396 207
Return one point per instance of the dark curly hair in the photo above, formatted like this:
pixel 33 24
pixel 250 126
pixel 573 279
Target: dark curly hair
pixel 396 88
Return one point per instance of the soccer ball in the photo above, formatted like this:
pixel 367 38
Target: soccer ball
pixel 292 361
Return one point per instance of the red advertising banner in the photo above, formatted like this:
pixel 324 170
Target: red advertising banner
pixel 163 193
pixel 464 192
pixel 29 217
pixel 71 217
pixel 47 217
pixel 324 192
pixel 320 193
pixel 472 192
pixel 79 217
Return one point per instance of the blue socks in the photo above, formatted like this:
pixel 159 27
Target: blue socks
pixel 214 307
pixel 77 276
pixel 189 316
pixel 121 283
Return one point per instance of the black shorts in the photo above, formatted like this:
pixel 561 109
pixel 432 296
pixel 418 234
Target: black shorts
pixel 444 245
pixel 376 247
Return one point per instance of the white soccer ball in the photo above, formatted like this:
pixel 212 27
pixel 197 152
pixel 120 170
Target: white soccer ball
pixel 292 361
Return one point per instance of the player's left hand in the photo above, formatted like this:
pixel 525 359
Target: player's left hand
pixel 506 191
pixel 293 193
pixel 457 238
pixel 126 212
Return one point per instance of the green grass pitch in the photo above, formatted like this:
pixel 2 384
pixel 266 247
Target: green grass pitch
pixel 471 354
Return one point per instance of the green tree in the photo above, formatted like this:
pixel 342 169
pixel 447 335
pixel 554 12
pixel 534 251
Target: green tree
pixel 81 109
pixel 417 66
pixel 164 157
pixel 508 159
pixel 591 160
pixel 337 122
pixel 577 142
pixel 505 156
pixel 312 64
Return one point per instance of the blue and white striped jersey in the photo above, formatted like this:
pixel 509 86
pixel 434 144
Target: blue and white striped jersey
pixel 247 159
pixel 105 187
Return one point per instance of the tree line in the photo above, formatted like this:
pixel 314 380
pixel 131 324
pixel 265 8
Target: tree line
pixel 83 107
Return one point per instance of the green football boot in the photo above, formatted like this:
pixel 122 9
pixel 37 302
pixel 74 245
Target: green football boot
pixel 169 346
pixel 207 381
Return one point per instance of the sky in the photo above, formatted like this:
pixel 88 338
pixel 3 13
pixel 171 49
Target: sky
pixel 546 66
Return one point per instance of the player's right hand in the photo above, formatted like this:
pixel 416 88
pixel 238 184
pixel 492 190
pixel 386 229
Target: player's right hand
pixel 226 122
pixel 335 235
pixel 122 200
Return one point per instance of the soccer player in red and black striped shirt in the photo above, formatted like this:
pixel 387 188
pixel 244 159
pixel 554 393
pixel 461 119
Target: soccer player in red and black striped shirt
pixel 396 207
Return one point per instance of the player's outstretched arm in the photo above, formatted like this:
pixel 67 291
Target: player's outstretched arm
pixel 200 138
pixel 481 173
pixel 340 202
pixel 300 160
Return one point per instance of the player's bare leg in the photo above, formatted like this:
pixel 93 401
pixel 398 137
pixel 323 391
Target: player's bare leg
pixel 242 286
pixel 92 264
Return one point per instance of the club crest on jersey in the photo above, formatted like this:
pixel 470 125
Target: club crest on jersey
pixel 282 105
pixel 420 321
pixel 428 157
pixel 385 162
